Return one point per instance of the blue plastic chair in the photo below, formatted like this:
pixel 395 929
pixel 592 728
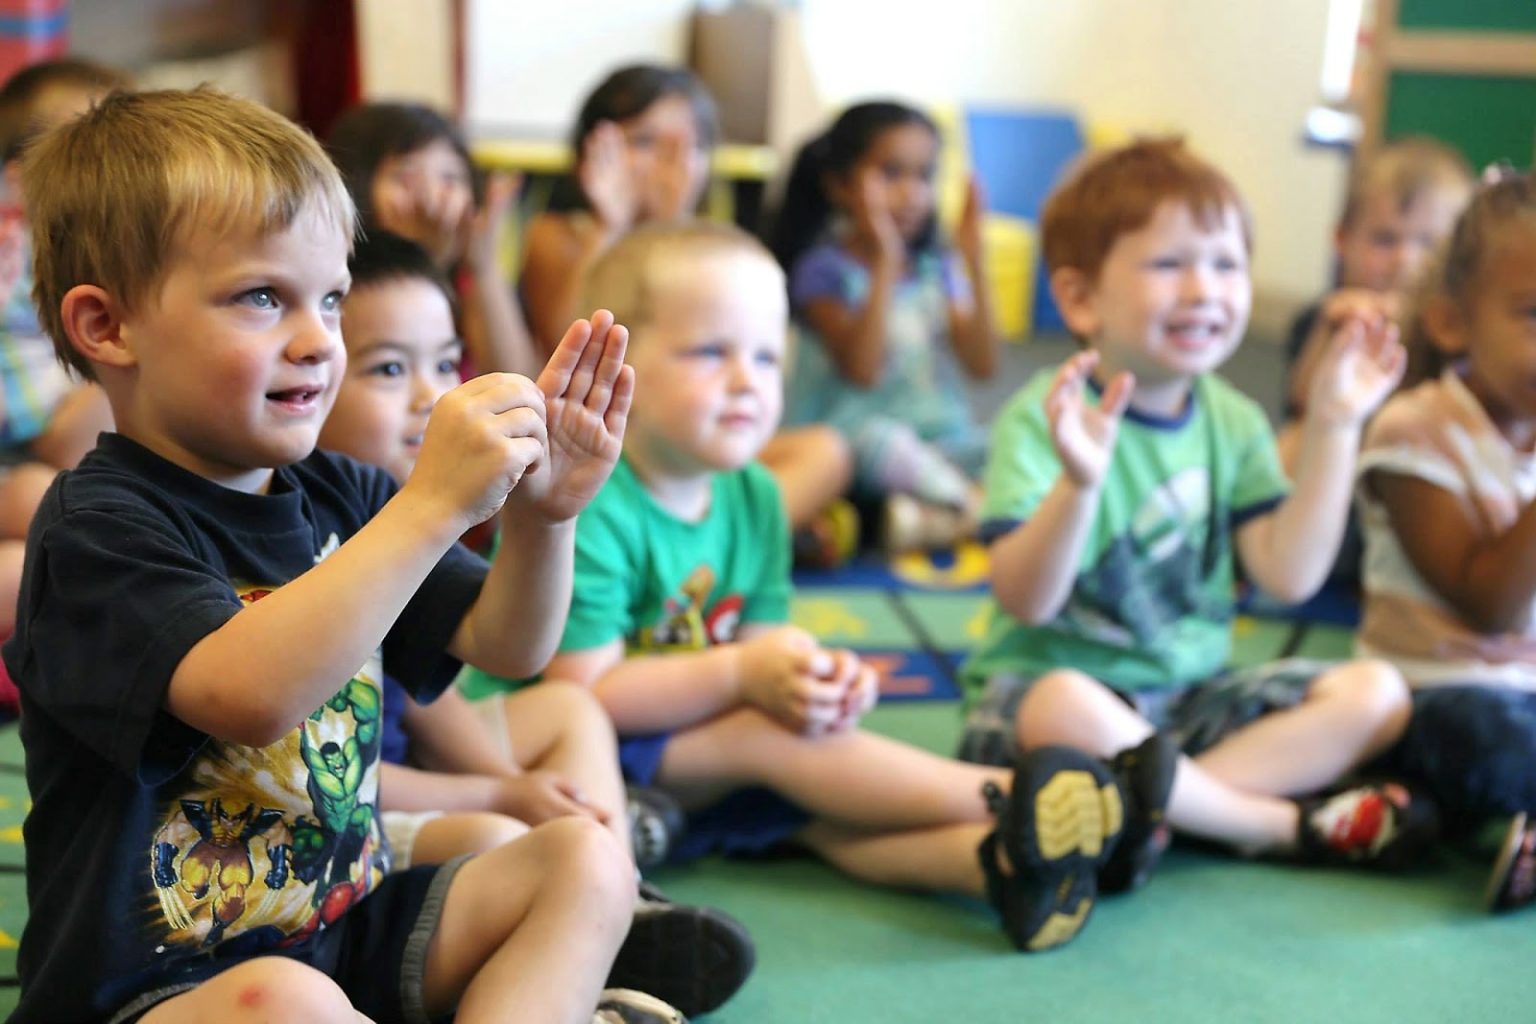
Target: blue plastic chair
pixel 1019 155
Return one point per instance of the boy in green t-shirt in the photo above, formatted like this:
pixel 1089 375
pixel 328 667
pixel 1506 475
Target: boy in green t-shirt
pixel 1115 521
pixel 678 622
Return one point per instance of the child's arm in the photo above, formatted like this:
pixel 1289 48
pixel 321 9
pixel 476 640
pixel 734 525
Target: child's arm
pixel 971 328
pixel 1289 551
pixel 494 330
pixel 514 626
pixel 1035 565
pixel 781 670
pixel 1489 581
pixel 856 337
pixel 276 660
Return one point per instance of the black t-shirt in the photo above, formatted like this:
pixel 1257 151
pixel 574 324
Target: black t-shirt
pixel 156 854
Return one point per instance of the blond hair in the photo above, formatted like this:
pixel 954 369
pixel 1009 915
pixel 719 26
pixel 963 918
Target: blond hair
pixel 1405 171
pixel 111 194
pixel 623 278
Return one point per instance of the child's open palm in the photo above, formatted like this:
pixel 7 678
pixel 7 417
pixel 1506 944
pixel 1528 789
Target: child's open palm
pixel 1361 366
pixel 606 179
pixel 1084 435
pixel 587 391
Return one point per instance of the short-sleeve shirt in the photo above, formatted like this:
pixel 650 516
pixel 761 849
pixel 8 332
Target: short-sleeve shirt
pixel 156 854
pixel 1153 601
pixel 1439 433
pixel 919 384
pixel 663 584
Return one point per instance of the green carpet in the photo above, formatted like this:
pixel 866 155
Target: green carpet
pixel 1211 939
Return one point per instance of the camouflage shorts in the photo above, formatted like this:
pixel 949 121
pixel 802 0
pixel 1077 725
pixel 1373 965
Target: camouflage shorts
pixel 1197 716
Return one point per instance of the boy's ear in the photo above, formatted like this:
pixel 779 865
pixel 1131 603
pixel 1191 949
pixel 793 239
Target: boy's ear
pixel 1073 293
pixel 1445 323
pixel 93 320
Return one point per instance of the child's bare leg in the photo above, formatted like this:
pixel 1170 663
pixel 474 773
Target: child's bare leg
pixel 814 467
pixel 12 556
pixel 529 930
pixel 257 992
pixel 1351 713
pixel 560 727
pixel 468 832
pixel 855 778
pixel 1068 708
pixel 940 859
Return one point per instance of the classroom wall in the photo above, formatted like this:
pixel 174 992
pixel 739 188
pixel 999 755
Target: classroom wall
pixel 1236 76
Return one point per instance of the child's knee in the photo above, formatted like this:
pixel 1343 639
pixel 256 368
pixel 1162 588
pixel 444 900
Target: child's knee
pixel 1055 696
pixel 581 848
pixel 1374 689
pixel 575 707
pixel 268 988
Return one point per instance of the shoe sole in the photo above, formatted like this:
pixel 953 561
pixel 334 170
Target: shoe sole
pixel 1075 816
pixel 691 957
pixel 1505 862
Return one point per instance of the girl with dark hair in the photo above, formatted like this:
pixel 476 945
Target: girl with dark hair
pixel 886 309
pixel 1447 487
pixel 410 173
pixel 643 141
pixel 642 144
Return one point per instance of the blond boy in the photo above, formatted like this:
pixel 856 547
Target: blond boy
pixel 678 622
pixel 1123 488
pixel 200 593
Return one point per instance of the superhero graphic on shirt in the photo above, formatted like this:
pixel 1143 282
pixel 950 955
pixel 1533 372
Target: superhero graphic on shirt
pixel 689 622
pixel 274 841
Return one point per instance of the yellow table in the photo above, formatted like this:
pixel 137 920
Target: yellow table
pixel 734 164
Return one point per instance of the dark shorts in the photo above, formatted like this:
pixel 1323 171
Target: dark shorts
pixel 1198 716
pixel 1473 748
pixel 376 953
pixel 746 822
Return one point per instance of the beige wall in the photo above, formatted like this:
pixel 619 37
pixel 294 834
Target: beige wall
pixel 1235 76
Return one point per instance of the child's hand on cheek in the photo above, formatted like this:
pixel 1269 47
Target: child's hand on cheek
pixel 783 672
pixel 587 390
pixel 1361 366
pixel 873 219
pixel 481 440
pixel 1084 435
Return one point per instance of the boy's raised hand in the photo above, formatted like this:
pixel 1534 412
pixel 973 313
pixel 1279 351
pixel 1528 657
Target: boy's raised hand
pixel 587 389
pixel 786 674
pixel 481 439
pixel 1362 364
pixel 1084 435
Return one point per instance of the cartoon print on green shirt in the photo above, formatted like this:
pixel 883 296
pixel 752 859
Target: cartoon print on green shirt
pixel 689 622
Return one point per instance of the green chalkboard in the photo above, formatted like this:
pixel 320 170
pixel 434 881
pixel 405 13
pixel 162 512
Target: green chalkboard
pixel 1468 15
pixel 1487 118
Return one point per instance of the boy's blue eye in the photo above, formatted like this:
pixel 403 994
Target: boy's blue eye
pixel 1227 264
pixel 714 351
pixel 393 368
pixel 767 358
pixel 448 367
pixel 259 298
pixel 1167 263
pixel 332 302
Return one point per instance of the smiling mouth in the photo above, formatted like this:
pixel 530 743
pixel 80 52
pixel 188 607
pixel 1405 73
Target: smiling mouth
pixel 298 398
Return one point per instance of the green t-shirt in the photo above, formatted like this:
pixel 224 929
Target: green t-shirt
pixel 1153 601
pixel 662 584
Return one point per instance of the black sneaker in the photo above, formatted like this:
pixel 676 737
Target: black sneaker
pixel 1380 824
pixel 1513 882
pixel 1145 774
pixel 656 823
pixel 692 957
pixel 1057 827
pixel 625 1006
